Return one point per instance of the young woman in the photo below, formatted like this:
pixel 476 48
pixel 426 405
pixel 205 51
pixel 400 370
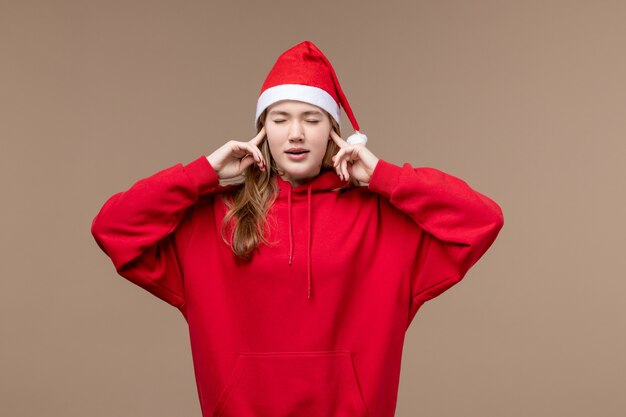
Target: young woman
pixel 297 258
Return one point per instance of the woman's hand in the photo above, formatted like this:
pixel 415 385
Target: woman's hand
pixel 353 160
pixel 232 158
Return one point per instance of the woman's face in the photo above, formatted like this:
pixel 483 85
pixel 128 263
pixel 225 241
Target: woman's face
pixel 293 124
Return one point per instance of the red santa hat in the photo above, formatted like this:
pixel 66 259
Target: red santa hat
pixel 303 73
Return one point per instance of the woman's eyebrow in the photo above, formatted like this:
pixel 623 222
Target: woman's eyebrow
pixel 313 112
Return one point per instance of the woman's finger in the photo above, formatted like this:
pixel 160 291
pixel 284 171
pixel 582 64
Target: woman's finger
pixel 259 155
pixel 248 148
pixel 246 161
pixel 254 152
pixel 338 140
pixel 337 161
pixel 259 137
pixel 338 157
pixel 238 147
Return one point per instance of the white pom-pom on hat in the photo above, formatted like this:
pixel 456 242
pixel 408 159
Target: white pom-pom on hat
pixel 357 137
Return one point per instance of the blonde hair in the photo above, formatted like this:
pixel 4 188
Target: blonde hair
pixel 250 201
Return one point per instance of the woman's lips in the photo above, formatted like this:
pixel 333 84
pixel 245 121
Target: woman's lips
pixel 297 156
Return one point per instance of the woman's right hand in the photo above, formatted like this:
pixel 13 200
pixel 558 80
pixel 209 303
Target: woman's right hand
pixel 232 158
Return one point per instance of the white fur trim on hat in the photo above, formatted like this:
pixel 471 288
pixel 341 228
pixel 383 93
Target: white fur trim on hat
pixel 300 92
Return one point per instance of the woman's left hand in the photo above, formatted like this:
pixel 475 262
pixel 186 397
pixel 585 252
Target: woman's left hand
pixel 353 160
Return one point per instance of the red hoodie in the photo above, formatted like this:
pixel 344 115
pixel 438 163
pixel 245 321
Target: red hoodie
pixel 313 325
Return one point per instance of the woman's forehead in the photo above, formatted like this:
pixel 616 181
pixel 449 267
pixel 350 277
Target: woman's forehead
pixel 294 106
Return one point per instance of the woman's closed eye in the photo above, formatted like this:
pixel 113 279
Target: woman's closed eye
pixel 310 121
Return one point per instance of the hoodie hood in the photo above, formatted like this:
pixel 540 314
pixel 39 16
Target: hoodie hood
pixel 327 181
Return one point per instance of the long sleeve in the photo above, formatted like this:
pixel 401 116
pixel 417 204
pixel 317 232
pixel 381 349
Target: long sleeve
pixel 458 224
pixel 137 228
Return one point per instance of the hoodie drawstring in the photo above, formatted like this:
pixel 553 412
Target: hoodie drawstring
pixel 308 237
pixel 309 245
pixel 290 227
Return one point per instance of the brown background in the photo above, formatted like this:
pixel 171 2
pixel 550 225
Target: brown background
pixel 524 100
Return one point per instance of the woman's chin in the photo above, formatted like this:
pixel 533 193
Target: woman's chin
pixel 299 175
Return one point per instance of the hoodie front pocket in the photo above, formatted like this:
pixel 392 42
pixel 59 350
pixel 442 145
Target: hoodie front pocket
pixel 286 384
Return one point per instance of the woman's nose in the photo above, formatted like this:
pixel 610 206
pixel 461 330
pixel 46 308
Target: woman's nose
pixel 296 131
